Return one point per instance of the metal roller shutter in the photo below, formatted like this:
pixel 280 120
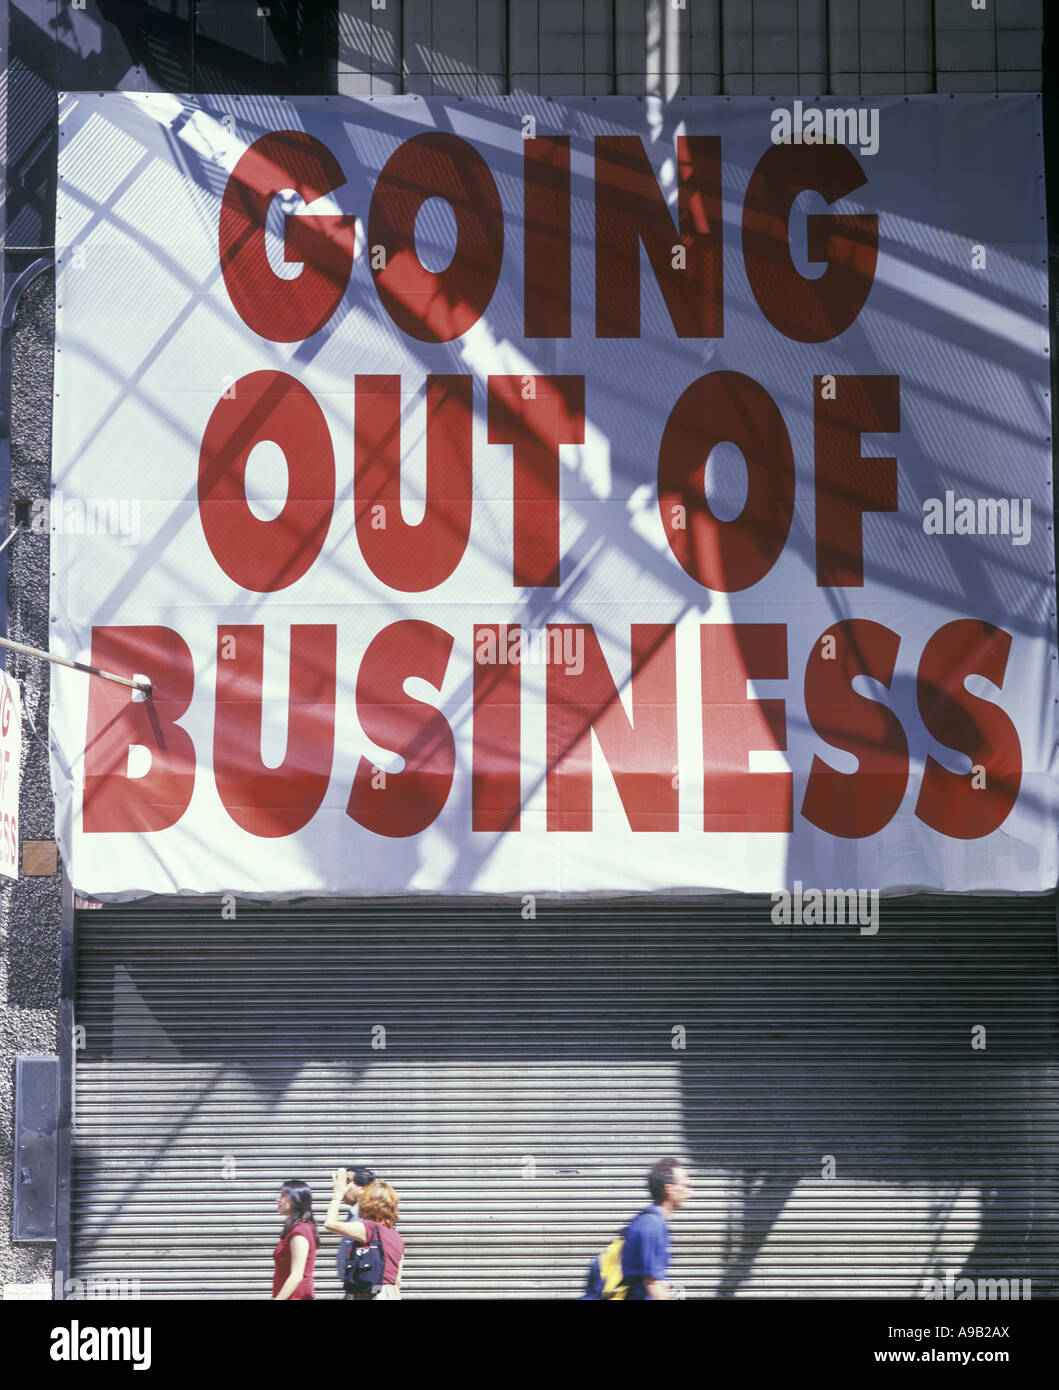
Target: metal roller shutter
pixel 845 1137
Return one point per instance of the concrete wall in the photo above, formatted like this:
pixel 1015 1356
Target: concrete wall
pixel 362 48
pixel 30 908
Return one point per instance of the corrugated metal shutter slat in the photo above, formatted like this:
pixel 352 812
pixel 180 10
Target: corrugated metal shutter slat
pixel 529 1078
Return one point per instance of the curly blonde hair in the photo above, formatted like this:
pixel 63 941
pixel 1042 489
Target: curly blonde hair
pixel 379 1202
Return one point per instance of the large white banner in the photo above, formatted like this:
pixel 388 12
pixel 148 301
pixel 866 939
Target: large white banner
pixel 529 494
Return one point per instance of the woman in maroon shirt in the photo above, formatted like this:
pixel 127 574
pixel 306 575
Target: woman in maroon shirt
pixel 377 1208
pixel 295 1255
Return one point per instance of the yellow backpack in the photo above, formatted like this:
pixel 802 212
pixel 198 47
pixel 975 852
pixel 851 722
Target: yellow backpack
pixel 604 1274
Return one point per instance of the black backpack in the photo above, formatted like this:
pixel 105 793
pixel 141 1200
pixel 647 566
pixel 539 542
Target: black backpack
pixel 365 1266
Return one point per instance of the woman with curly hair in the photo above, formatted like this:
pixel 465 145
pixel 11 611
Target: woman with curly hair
pixel 378 1215
pixel 294 1258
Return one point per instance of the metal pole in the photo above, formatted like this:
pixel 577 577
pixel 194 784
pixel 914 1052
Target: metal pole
pixel 143 685
pixel 400 48
pixel 614 42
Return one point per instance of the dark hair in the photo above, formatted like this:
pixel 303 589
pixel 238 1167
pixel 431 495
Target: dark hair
pixel 363 1177
pixel 301 1195
pixel 661 1174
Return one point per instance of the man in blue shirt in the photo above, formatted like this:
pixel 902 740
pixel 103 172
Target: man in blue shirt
pixel 645 1254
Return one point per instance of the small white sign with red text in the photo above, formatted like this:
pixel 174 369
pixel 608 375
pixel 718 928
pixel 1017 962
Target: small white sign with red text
pixel 10 762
